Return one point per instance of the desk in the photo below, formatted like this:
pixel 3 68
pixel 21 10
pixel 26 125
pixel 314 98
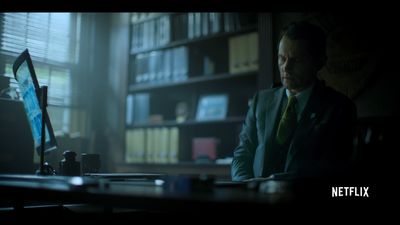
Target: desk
pixel 147 195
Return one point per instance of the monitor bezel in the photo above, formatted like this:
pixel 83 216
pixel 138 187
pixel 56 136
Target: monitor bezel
pixel 25 57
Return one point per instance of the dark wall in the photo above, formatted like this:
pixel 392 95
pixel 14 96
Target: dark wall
pixel 359 63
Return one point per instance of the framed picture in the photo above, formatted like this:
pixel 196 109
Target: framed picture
pixel 212 107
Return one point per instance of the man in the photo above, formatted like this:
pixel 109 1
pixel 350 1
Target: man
pixel 302 128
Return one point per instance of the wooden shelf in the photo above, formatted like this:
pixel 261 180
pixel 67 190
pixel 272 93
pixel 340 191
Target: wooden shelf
pixel 238 119
pixel 191 81
pixel 197 40
pixel 164 96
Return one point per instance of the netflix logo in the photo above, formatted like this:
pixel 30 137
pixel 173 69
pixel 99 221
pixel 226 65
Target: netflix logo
pixel 350 192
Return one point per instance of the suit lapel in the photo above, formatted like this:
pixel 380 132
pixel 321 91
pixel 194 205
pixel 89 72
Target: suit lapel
pixel 271 121
pixel 272 114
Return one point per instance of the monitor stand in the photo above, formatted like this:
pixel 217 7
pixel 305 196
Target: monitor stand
pixel 45 169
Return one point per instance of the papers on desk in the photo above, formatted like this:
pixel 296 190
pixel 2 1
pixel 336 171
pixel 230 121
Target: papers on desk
pixel 123 176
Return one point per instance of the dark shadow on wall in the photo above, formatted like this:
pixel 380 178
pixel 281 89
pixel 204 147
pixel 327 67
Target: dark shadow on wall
pixel 359 63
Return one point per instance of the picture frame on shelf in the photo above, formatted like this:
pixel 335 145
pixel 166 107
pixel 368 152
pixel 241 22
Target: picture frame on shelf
pixel 212 107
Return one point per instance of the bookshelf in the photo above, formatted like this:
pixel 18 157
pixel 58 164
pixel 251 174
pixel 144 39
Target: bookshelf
pixel 175 60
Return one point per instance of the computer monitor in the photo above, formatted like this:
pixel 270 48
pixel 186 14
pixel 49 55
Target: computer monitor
pixel 25 74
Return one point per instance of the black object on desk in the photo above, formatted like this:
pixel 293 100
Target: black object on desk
pixel 69 166
pixel 90 163
pixel 188 184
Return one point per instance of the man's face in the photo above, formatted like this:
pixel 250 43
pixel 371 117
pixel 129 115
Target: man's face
pixel 296 66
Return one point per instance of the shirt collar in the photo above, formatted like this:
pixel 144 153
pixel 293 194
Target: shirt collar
pixel 302 98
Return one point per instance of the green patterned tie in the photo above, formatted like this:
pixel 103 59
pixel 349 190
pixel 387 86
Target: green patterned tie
pixel 288 121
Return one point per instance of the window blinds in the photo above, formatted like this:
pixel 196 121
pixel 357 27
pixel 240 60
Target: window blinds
pixel 50 37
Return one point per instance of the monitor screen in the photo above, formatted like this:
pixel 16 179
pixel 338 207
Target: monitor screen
pixel 25 75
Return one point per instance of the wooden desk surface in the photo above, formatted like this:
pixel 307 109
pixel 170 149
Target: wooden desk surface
pixel 169 194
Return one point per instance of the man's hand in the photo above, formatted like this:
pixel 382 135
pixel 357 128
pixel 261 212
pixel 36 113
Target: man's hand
pixel 259 179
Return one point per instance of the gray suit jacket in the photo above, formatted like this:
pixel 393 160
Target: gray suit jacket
pixel 322 141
